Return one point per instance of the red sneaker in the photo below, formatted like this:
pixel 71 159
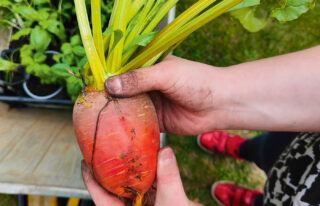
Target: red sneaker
pixel 221 143
pixel 230 194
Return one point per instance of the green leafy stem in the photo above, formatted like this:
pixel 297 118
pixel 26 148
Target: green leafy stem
pixel 130 41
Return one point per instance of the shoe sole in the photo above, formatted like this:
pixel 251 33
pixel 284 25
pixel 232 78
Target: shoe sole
pixel 202 147
pixel 214 186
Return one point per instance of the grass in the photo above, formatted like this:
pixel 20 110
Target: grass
pixel 228 43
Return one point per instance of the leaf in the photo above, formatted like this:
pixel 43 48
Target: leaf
pixel 20 33
pixel 25 11
pixel 78 50
pixel 40 39
pixel 66 48
pixel 142 40
pixel 75 40
pixel 5 3
pixel 55 27
pixel 57 57
pixel 61 70
pixel 39 2
pixel 26 61
pixel 292 9
pixel 26 50
pixel 6 65
pixel 61 66
pixel 42 14
pixel 74 87
pixel 68 59
pixel 82 62
pixel 245 3
pixel 248 20
pixel 117 37
pixel 39 57
pixel 108 31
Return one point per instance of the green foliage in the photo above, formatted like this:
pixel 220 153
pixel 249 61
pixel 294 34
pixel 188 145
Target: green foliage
pixel 40 39
pixel 7 66
pixel 20 33
pixel 41 26
pixel 292 9
pixel 282 10
pixel 142 40
pixel 247 18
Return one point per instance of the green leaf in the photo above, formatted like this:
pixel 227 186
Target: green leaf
pixel 66 48
pixel 6 65
pixel 108 31
pixel 25 11
pixel 26 50
pixel 55 27
pixel 142 40
pixel 26 61
pixel 245 3
pixel 248 20
pixel 79 51
pixel 61 66
pixel 61 70
pixel 5 3
pixel 40 39
pixel 39 2
pixel 57 57
pixel 82 62
pixel 117 37
pixel 20 33
pixel 68 59
pixel 39 57
pixel 42 14
pixel 75 40
pixel 74 87
pixel 292 9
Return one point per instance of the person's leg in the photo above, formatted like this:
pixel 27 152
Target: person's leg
pixel 265 148
pixel 259 200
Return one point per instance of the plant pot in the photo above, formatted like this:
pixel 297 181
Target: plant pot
pixel 34 89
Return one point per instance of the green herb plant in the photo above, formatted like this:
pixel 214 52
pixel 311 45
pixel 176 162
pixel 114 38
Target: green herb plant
pixel 39 26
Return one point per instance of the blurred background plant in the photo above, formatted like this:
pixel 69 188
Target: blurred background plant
pixel 46 36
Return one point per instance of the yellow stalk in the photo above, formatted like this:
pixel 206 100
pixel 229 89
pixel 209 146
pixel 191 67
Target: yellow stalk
pixel 88 43
pixel 96 27
pixel 158 45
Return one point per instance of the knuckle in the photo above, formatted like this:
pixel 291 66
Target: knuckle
pixel 129 81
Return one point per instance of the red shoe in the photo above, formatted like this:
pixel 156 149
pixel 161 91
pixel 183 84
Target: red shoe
pixel 221 142
pixel 230 194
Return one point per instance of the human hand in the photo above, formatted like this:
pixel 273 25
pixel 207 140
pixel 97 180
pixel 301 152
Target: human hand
pixel 186 94
pixel 169 186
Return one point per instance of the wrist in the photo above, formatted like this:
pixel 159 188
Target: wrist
pixel 225 99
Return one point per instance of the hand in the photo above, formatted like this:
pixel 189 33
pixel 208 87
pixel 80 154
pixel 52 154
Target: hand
pixel 169 186
pixel 185 100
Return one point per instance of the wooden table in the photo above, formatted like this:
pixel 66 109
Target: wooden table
pixel 38 153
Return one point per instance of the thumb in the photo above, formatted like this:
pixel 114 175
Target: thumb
pixel 169 186
pixel 139 81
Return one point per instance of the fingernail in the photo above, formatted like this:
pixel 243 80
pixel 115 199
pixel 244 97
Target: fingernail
pixel 166 156
pixel 113 85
